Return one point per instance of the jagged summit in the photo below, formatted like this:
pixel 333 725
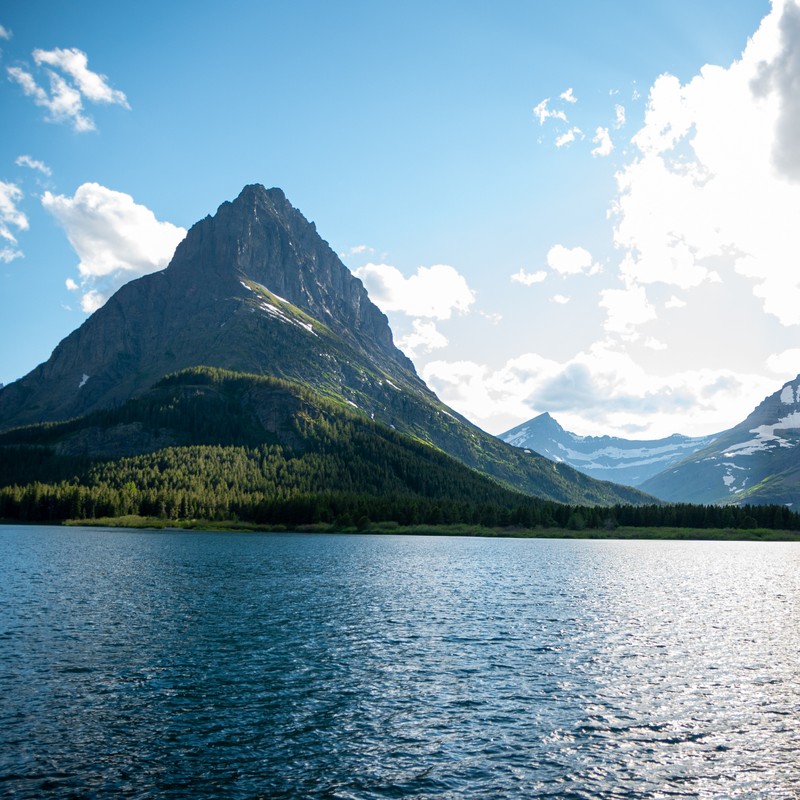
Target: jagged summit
pixel 262 237
pixel 249 288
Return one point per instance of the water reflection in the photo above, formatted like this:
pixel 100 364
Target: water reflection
pixel 206 665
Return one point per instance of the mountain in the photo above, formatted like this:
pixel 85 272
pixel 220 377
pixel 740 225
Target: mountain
pixel 756 462
pixel 255 289
pixel 625 461
pixel 214 444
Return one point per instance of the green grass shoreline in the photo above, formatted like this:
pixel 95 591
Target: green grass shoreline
pixel 666 533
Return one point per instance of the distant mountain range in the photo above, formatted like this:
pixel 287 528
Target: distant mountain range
pixel 756 462
pixel 254 290
pixel 608 458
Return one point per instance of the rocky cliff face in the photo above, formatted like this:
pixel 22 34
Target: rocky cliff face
pixel 253 288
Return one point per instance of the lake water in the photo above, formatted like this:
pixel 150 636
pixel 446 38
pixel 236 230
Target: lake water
pixel 194 665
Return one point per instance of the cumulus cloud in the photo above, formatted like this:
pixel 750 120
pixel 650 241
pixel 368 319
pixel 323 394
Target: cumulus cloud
pixel 781 76
pixel 543 113
pixel 32 163
pixel 602 389
pixel 619 115
pixel 115 238
pixel 568 137
pixel 568 97
pixel 712 193
pixel 529 278
pixel 433 292
pixel 423 338
pixel 786 363
pixel 70 82
pixel 602 139
pixel 571 261
pixel 10 217
pixel 626 309
pixel 560 299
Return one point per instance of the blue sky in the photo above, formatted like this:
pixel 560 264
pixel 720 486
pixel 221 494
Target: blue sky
pixel 585 208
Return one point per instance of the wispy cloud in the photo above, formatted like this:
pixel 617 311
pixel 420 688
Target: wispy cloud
pixel 70 83
pixel 5 33
pixel 32 163
pixel 116 239
pixel 10 217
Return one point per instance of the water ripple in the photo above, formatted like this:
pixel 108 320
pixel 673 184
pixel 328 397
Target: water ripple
pixel 247 666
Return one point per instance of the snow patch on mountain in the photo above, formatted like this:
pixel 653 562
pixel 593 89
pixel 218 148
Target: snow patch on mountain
pixel 611 458
pixel 766 437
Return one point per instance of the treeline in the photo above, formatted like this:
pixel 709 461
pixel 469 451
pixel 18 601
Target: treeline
pixel 264 451
pixel 39 502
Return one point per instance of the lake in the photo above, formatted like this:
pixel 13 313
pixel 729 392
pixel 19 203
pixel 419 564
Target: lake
pixel 197 665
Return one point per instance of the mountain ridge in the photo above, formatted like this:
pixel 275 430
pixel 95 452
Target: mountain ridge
pixel 629 462
pixel 755 462
pixel 255 289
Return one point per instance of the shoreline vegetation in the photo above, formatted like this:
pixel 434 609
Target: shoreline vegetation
pixel 132 521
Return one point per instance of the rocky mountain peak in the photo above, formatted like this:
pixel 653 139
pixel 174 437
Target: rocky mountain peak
pixel 261 237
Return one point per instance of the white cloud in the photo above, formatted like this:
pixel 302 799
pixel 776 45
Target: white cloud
pixel 626 309
pixel 529 278
pixel 358 250
pixel 560 299
pixel 10 216
pixel 71 285
pixel 32 163
pixel 433 292
pixel 568 96
pixel 463 385
pixel 543 113
pixel 64 100
pixel 75 63
pixel 115 238
pixel 619 115
pixel 675 302
pixel 713 193
pixel 423 338
pixel 569 137
pixel 571 261
pixel 5 33
pixel 603 141
pixel 786 363
pixel 654 344
pixel 780 76
pixel 600 390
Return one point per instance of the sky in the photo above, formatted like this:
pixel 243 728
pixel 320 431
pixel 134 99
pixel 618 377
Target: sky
pixel 590 209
